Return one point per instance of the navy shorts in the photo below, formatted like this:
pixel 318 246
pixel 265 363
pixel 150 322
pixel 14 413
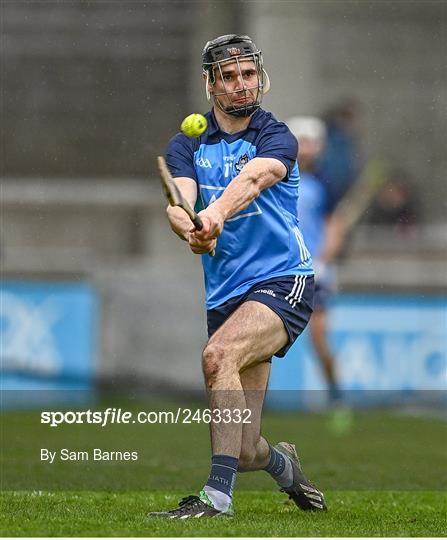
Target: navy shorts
pixel 290 297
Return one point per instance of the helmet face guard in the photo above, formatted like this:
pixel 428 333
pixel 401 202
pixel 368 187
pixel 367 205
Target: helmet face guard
pixel 234 49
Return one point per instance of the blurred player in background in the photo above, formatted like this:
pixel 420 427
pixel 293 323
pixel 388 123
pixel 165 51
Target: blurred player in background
pixel 259 284
pixel 323 234
pixel 339 163
pixel 396 205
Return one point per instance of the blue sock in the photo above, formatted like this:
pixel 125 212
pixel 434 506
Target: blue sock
pixel 334 392
pixel 277 463
pixel 280 468
pixel 223 474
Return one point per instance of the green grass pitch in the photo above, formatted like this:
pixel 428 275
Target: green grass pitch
pixel 361 513
pixel 385 476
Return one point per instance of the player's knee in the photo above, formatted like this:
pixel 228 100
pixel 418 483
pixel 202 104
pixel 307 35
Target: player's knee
pixel 213 359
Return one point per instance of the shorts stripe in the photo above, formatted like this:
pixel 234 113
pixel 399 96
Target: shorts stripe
pixel 292 292
pixel 300 291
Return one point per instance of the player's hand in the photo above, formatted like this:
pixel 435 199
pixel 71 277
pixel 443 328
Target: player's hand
pixel 199 246
pixel 213 223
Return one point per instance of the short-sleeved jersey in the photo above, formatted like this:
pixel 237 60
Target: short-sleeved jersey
pixel 262 241
pixel 313 209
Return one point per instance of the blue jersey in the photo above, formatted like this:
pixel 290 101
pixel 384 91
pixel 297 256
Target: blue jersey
pixel 262 241
pixel 313 210
pixel 339 165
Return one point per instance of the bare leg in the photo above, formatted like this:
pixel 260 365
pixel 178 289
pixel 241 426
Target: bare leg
pixel 251 335
pixel 318 328
pixel 255 450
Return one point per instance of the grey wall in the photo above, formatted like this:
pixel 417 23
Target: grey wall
pixel 97 88
pixel 91 87
pixel 391 55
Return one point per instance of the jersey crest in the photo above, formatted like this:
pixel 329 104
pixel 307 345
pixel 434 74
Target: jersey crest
pixel 243 160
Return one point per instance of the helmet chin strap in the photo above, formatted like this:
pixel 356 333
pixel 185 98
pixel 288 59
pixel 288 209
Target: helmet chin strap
pixel 243 112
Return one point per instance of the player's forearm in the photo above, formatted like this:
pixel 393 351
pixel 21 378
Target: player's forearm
pixel 242 191
pixel 179 221
pixel 257 175
pixel 335 237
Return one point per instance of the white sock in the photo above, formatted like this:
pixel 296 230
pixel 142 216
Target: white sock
pixel 221 501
